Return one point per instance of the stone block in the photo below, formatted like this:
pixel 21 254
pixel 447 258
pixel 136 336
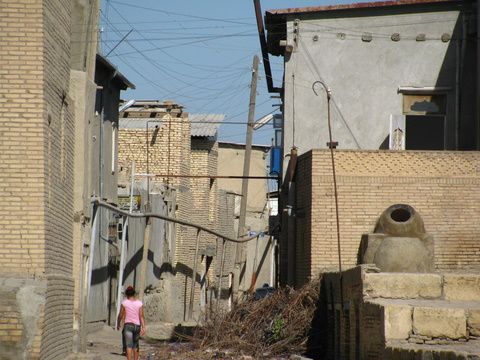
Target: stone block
pixel 440 322
pixel 160 331
pixel 461 287
pixel 398 322
pixel 473 321
pixel 402 286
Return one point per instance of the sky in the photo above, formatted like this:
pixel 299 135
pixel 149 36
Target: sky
pixel 197 53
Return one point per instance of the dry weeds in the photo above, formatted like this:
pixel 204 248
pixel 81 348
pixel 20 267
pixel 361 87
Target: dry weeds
pixel 274 326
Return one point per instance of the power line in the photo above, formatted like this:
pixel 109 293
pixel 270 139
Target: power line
pixel 227 96
pixel 168 29
pixel 164 52
pixel 197 38
pixel 160 67
pixel 180 14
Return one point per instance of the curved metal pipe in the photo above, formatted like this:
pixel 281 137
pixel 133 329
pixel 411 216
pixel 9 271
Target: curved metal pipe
pixel 332 146
pixel 100 203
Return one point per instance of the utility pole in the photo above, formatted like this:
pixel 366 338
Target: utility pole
pixel 240 253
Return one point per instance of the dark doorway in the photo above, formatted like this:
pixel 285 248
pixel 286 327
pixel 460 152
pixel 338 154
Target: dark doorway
pixel 425 132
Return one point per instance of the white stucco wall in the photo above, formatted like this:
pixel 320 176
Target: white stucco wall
pixel 364 77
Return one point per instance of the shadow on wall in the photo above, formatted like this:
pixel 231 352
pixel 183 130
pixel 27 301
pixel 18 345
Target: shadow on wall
pixel 430 127
pixel 134 262
pixel 318 336
pixel 463 44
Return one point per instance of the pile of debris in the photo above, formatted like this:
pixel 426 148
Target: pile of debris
pixel 276 326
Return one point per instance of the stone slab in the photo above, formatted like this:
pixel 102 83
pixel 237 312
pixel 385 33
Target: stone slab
pixel 440 322
pixel 402 286
pixel 461 287
pixel 398 322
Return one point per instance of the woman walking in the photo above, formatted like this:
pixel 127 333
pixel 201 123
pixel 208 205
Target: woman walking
pixel 131 316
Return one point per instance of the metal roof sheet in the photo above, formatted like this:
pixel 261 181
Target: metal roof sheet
pixel 242 145
pixel 202 125
pixel 205 125
pixel 136 123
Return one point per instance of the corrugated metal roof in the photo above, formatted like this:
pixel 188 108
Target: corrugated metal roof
pixel 242 145
pixel 137 123
pixel 205 125
pixel 361 5
pixel 202 125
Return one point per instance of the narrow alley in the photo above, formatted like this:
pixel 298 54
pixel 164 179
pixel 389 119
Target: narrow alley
pixel 262 179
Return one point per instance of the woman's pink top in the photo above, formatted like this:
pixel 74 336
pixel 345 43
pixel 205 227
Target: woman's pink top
pixel 132 311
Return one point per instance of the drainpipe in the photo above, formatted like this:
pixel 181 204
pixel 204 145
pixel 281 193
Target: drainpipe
pixel 263 45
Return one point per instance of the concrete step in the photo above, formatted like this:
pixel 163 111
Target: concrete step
pixel 400 349
pixel 422 319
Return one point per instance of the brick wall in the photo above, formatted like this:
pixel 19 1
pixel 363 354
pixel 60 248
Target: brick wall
pixel 226 210
pixel 170 154
pixel 175 152
pixel 204 159
pixel 36 157
pixel 22 312
pixel 441 186
pixel 22 226
pixel 59 161
pixel 167 155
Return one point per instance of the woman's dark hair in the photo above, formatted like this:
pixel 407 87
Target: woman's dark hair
pixel 130 291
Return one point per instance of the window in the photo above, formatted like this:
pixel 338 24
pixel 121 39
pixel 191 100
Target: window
pixel 425 116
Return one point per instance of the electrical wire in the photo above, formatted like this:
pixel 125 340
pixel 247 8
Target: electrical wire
pixel 150 9
pixel 162 70
pixel 164 52
pixel 226 95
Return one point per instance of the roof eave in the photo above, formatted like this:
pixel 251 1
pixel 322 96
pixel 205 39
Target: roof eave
pixel 275 19
pixel 118 76
pixel 361 5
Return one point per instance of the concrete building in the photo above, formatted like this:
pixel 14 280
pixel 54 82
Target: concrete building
pixel 391 65
pixel 260 256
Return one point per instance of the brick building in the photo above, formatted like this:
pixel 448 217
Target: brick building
pixel 441 186
pixel 180 152
pixel 41 64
